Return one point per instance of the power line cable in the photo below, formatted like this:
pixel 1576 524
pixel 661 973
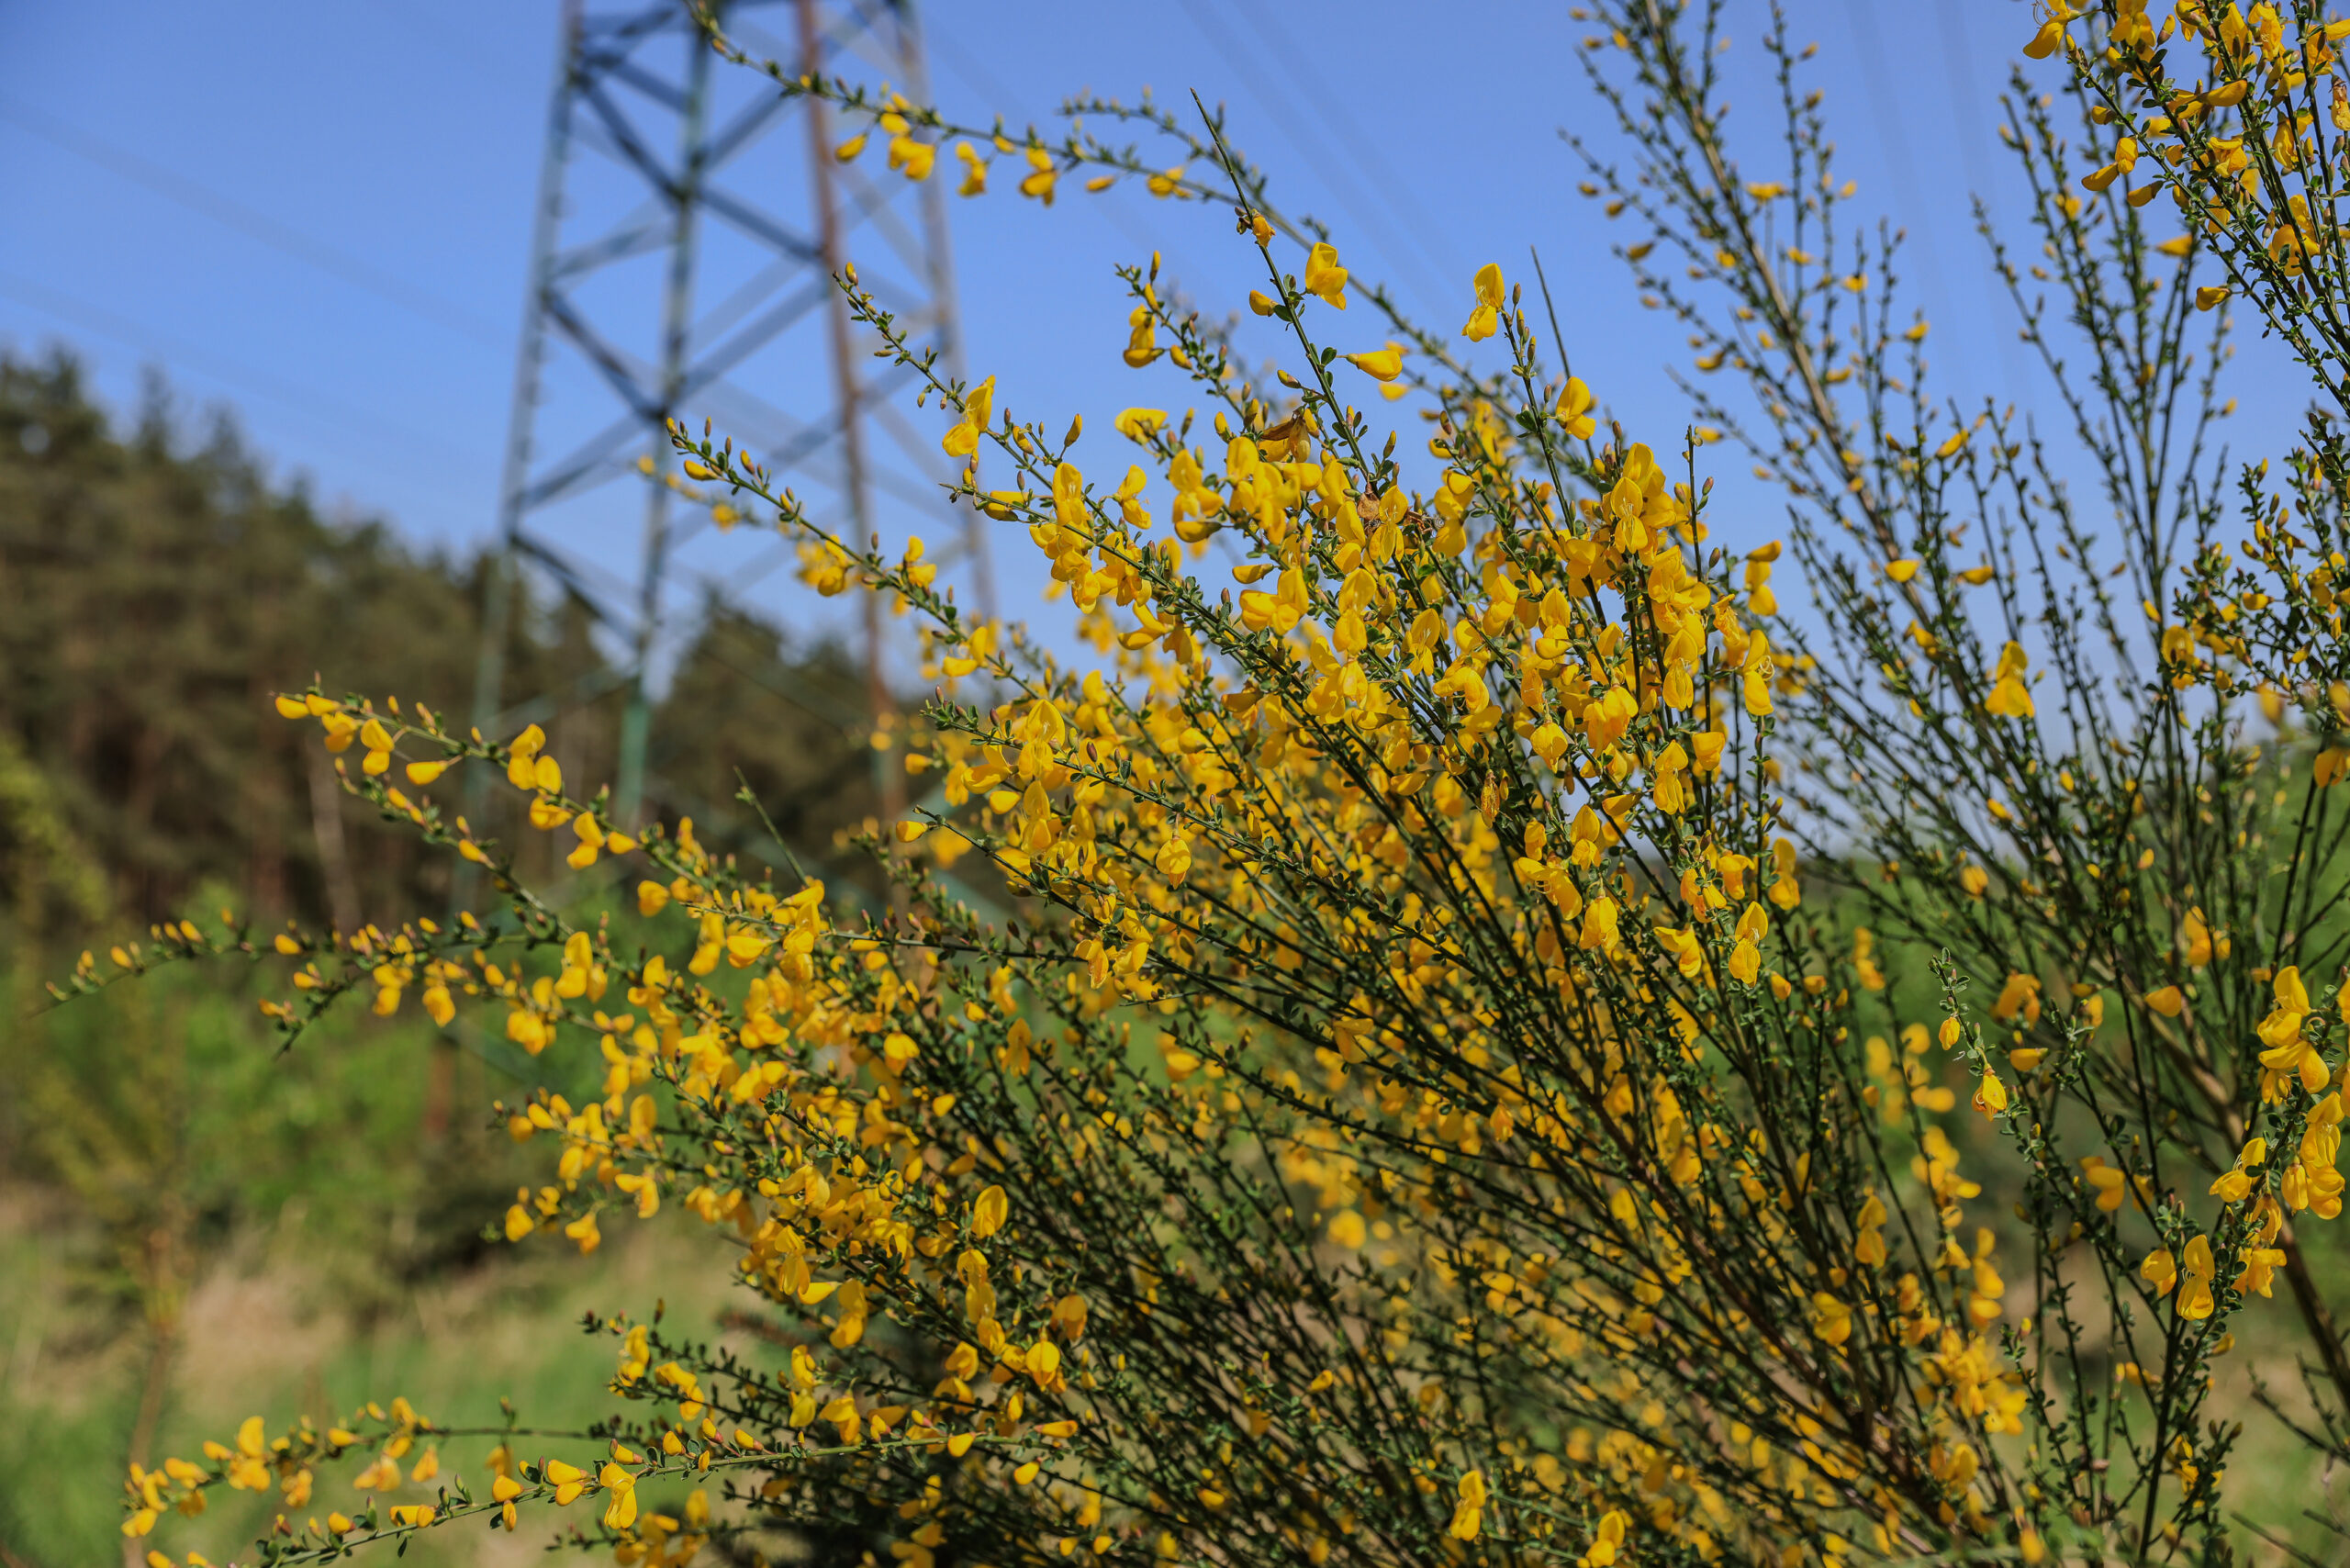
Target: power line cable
pixel 233 214
pixel 1896 149
pixel 1000 100
pixel 291 396
pixel 1318 153
pixel 1965 106
pixel 1360 150
pixel 436 39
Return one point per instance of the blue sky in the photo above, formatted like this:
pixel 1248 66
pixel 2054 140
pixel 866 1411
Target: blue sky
pixel 320 212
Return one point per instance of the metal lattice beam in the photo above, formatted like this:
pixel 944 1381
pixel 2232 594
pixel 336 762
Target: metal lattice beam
pixel 636 115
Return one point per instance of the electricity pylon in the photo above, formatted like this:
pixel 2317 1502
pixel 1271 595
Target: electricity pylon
pixel 682 255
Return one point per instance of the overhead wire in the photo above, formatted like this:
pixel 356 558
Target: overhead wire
pixel 1958 61
pixel 1394 191
pixel 1895 142
pixel 197 198
pixel 1341 184
pixel 1002 100
pixel 295 397
pixel 260 227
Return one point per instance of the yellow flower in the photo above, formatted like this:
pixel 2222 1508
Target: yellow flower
pixel 2110 1182
pixel 989 1211
pixel 914 157
pixel 1139 425
pixel 1379 364
pixel 380 1476
pixel 620 1512
pixel 2289 1051
pixel 1599 927
pixel 570 1481
pixel 2195 939
pixel 1468 1513
pixel 1573 409
pixel 2234 1186
pixel 978 404
pixel 1325 277
pixel 1174 859
pixel 975 170
pixel 2009 699
pixel 1486 316
pixel 2018 998
pixel 1607 1540
pixel 1991 1095
pixel 1142 337
pixel 2194 1294
pixel 1041 176
pixel 2260 1266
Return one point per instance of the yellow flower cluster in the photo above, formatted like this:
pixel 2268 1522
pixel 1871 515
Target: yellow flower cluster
pixel 1363 1069
pixel 1451 798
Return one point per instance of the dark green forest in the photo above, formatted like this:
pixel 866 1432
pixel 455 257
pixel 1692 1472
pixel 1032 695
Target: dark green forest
pixel 157 585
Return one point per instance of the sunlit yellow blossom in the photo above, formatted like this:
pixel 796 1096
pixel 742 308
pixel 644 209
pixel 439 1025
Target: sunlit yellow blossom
pixel 1486 318
pixel 1325 278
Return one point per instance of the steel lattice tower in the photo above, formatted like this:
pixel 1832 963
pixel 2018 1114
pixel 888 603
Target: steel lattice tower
pixel 682 254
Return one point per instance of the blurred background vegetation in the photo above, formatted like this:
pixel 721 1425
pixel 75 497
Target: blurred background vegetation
pixel 194 1227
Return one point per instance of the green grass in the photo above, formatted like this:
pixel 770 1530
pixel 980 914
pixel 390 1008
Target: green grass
pixel 266 1334
pixel 315 1253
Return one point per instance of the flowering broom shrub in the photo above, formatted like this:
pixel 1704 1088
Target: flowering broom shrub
pixel 1442 1090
